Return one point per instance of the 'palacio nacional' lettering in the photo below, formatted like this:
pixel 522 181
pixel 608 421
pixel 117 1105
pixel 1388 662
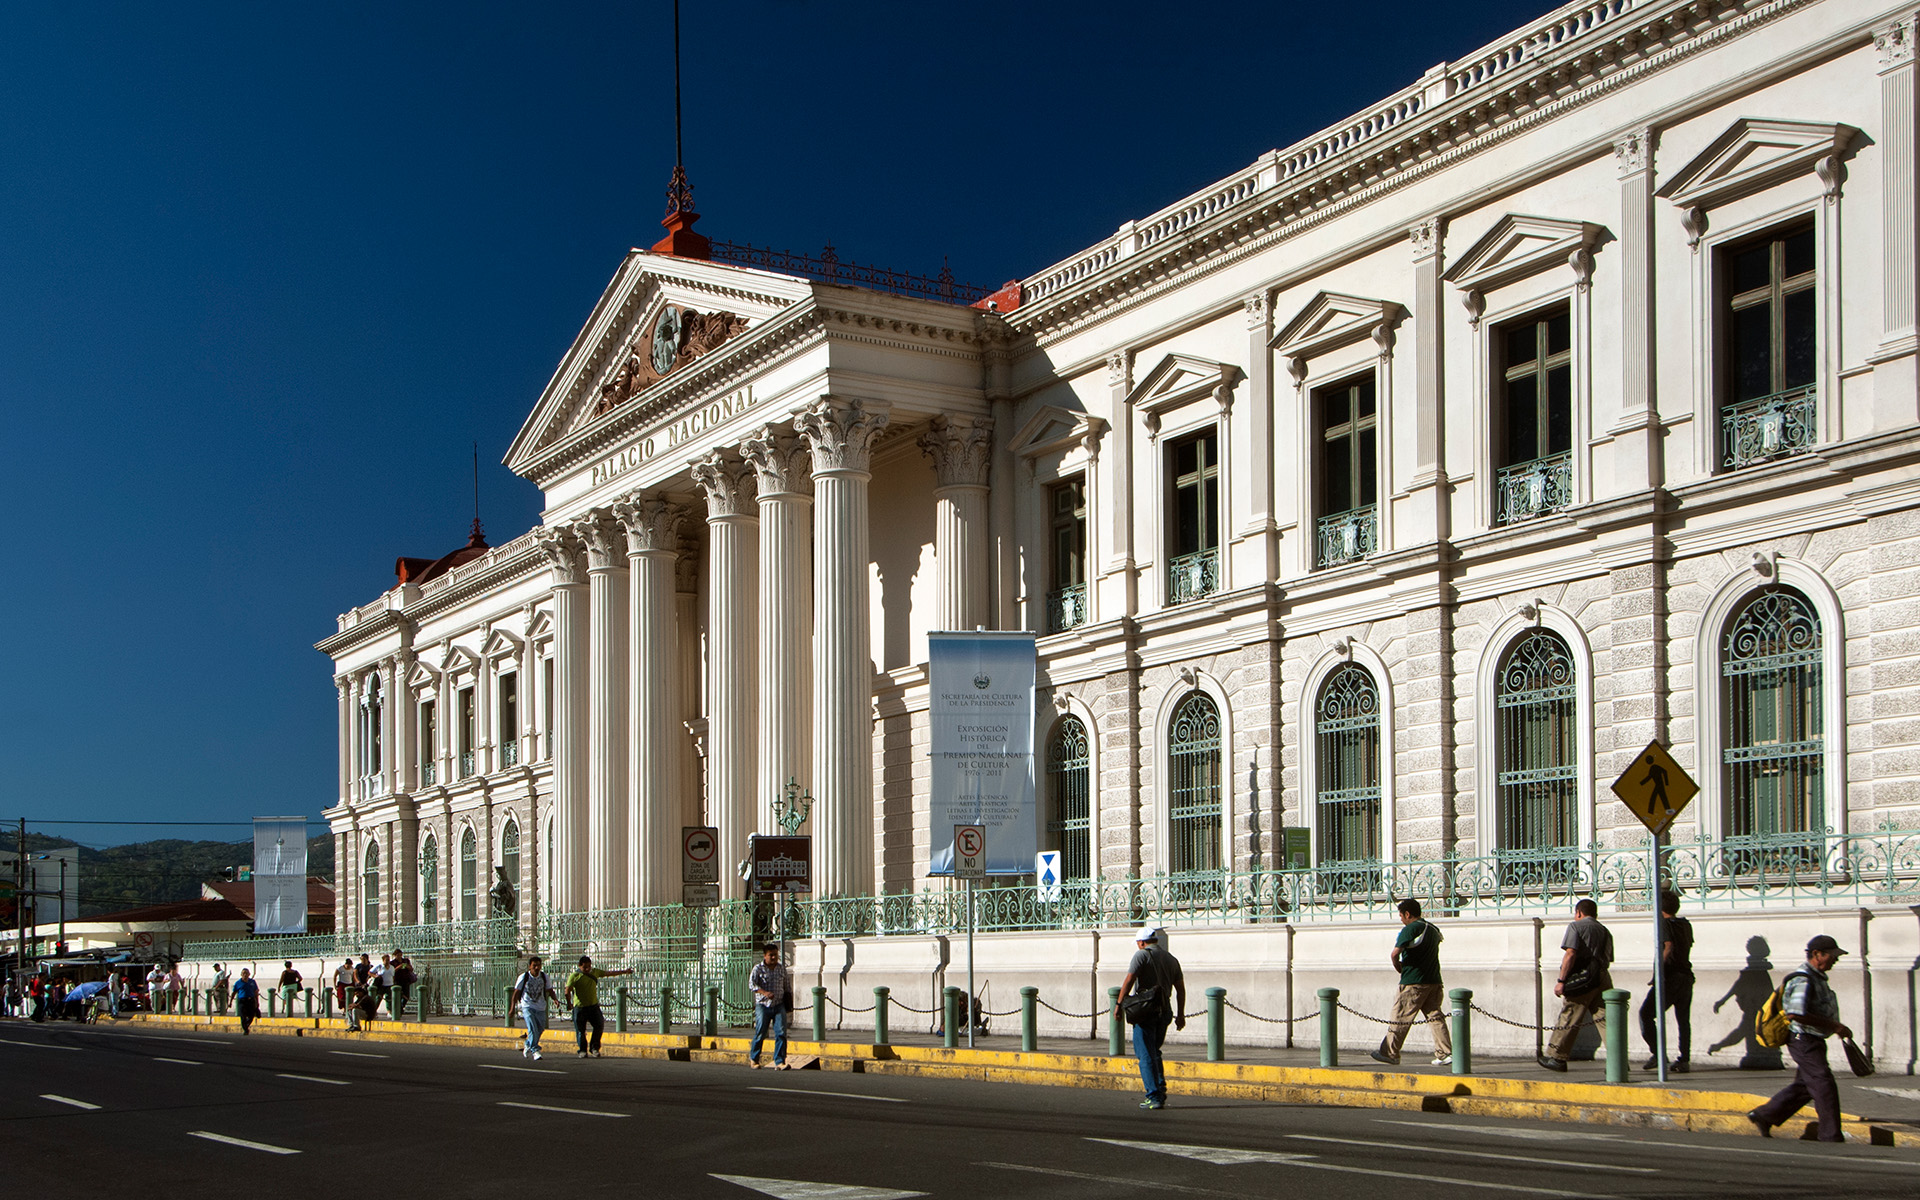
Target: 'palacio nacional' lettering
pixel 676 433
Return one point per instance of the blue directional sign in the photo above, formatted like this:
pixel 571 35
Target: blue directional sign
pixel 1046 874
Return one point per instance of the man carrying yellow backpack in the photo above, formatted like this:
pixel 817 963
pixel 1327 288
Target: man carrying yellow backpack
pixel 1813 1014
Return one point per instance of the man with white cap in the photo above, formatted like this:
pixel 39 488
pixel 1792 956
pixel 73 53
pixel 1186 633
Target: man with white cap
pixel 1814 1014
pixel 1159 994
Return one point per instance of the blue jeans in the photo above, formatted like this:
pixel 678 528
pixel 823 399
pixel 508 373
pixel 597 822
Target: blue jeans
pixel 763 1016
pixel 1148 1037
pixel 536 1021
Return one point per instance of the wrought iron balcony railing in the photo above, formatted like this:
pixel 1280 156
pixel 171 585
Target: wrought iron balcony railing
pixel 466 764
pixel 1192 576
pixel 1349 536
pixel 1066 608
pixel 510 752
pixel 1533 489
pixel 1775 426
pixel 427 773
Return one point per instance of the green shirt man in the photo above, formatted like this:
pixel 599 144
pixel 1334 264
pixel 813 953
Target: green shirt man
pixel 583 993
pixel 1416 955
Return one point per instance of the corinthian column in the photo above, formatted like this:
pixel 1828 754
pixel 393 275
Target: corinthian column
pixel 840 432
pixel 733 549
pixel 655 728
pixel 569 868
pixel 786 616
pixel 607 731
pixel 961 449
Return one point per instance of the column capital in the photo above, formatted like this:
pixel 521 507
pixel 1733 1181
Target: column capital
pixel 729 483
pixel 652 524
pixel 562 547
pixel 1425 237
pixel 1895 44
pixel 961 448
pixel 604 539
pixel 780 460
pixel 1633 152
pixel 841 432
pixel 1259 311
pixel 1120 370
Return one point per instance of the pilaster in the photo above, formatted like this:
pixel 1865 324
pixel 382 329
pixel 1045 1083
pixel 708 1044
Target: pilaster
pixel 1896 386
pixel 1119 582
pixel 785 685
pixel 1257 446
pixel 1429 519
pixel 1636 434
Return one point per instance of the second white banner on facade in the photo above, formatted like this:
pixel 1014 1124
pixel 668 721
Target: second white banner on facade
pixel 982 743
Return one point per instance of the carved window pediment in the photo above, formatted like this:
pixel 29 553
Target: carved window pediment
pixel 500 644
pixel 540 628
pixel 423 676
pixel 1180 379
pixel 1753 154
pixel 1518 246
pixel 459 660
pixel 1331 320
pixel 1054 429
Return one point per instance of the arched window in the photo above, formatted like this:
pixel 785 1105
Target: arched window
pixel 510 852
pixel 429 881
pixel 370 888
pixel 1070 797
pixel 1774 748
pixel 1346 728
pixel 1193 789
pixel 1537 744
pixel 469 900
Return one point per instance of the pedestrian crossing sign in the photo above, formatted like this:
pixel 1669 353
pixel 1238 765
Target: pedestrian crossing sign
pixel 1655 788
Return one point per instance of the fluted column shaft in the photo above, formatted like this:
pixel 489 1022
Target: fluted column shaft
pixel 961 448
pixel 607 668
pixel 840 433
pixel 344 686
pixel 653 875
pixel 570 638
pixel 785 686
pixel 733 568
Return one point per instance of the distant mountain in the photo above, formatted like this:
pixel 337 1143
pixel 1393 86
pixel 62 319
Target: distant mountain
pixel 141 873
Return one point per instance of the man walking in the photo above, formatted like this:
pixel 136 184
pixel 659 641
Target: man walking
pixel 1676 975
pixel 246 998
pixel 289 988
pixel 156 988
pixel 1154 976
pixel 530 993
pixel 1416 955
pixel 343 976
pixel 222 988
pixel 1814 1014
pixel 1587 952
pixel 771 988
pixel 583 993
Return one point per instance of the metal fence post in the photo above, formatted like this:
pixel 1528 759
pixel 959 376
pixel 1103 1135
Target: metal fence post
pixel 819 1013
pixel 950 1017
pixel 713 1011
pixel 1216 1024
pixel 1116 1028
pixel 1462 1030
pixel 880 1015
pixel 1329 1027
pixel 1616 1001
pixel 666 1010
pixel 1029 1019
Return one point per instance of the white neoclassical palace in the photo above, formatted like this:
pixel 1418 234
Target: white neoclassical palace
pixel 1399 488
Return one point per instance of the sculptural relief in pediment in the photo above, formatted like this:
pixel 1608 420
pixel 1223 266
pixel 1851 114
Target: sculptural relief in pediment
pixel 675 337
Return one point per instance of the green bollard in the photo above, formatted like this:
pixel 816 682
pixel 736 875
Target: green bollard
pixel 1329 1027
pixel 713 1011
pixel 1462 1030
pixel 209 1002
pixel 1116 1028
pixel 1216 1024
pixel 270 995
pixel 1029 1019
pixel 506 1009
pixel 950 1017
pixel 880 1015
pixel 309 1002
pixel 193 1004
pixel 620 1010
pixel 326 1003
pixel 666 1010
pixel 1616 1001
pixel 819 1013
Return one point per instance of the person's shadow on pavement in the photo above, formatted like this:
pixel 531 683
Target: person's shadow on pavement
pixel 1750 990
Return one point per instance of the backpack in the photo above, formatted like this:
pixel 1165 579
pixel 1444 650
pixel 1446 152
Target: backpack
pixel 1770 1024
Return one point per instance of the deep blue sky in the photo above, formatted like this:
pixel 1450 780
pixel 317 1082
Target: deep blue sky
pixel 267 271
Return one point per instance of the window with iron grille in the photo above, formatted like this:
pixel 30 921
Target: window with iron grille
pixel 370 888
pixel 1534 416
pixel 1538 751
pixel 429 741
pixel 1346 421
pixel 465 748
pixel 1774 750
pixel 1767 343
pixel 1070 797
pixel 469 901
pixel 371 712
pixel 1193 789
pixel 510 852
pixel 1193 563
pixel 1067 599
pixel 509 719
pixel 1347 778
pixel 429 881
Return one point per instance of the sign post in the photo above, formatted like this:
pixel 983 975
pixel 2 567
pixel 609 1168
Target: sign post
pixel 970 864
pixel 1656 789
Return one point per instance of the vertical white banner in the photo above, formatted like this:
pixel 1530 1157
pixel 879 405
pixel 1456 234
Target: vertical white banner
pixel 982 716
pixel 279 875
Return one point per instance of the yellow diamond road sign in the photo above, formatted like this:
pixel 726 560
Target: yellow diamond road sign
pixel 1655 788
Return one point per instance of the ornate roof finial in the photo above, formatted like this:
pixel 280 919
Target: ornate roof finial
pixel 681 240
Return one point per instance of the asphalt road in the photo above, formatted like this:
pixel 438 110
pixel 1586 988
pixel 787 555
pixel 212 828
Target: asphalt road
pixel 174 1110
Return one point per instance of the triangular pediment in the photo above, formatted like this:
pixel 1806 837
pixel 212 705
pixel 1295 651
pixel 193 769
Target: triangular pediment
pixel 1753 154
pixel 458 659
pixel 1331 320
pixel 1518 246
pixel 1053 429
pixel 541 626
pixel 500 644
pixel 423 676
pixel 611 363
pixel 1180 379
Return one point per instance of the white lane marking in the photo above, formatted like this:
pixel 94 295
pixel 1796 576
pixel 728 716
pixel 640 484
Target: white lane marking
pixel 69 1100
pixel 185 1062
pixel 1311 1165
pixel 241 1142
pixel 800 1189
pixel 314 1079
pixel 527 1070
pixel 161 1037
pixel 1422 1149
pixel 1899 1093
pixel 1553 1135
pixel 835 1095
pixel 579 1112
pixel 36 1045
pixel 356 1054
pixel 1219 1156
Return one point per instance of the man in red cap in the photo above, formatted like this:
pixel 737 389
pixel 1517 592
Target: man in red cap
pixel 1814 1015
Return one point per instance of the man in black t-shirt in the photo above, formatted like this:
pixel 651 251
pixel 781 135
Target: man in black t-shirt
pixel 1155 973
pixel 1586 953
pixel 1676 970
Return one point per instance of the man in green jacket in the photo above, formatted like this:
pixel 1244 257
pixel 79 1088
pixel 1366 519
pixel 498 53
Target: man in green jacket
pixel 1416 955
